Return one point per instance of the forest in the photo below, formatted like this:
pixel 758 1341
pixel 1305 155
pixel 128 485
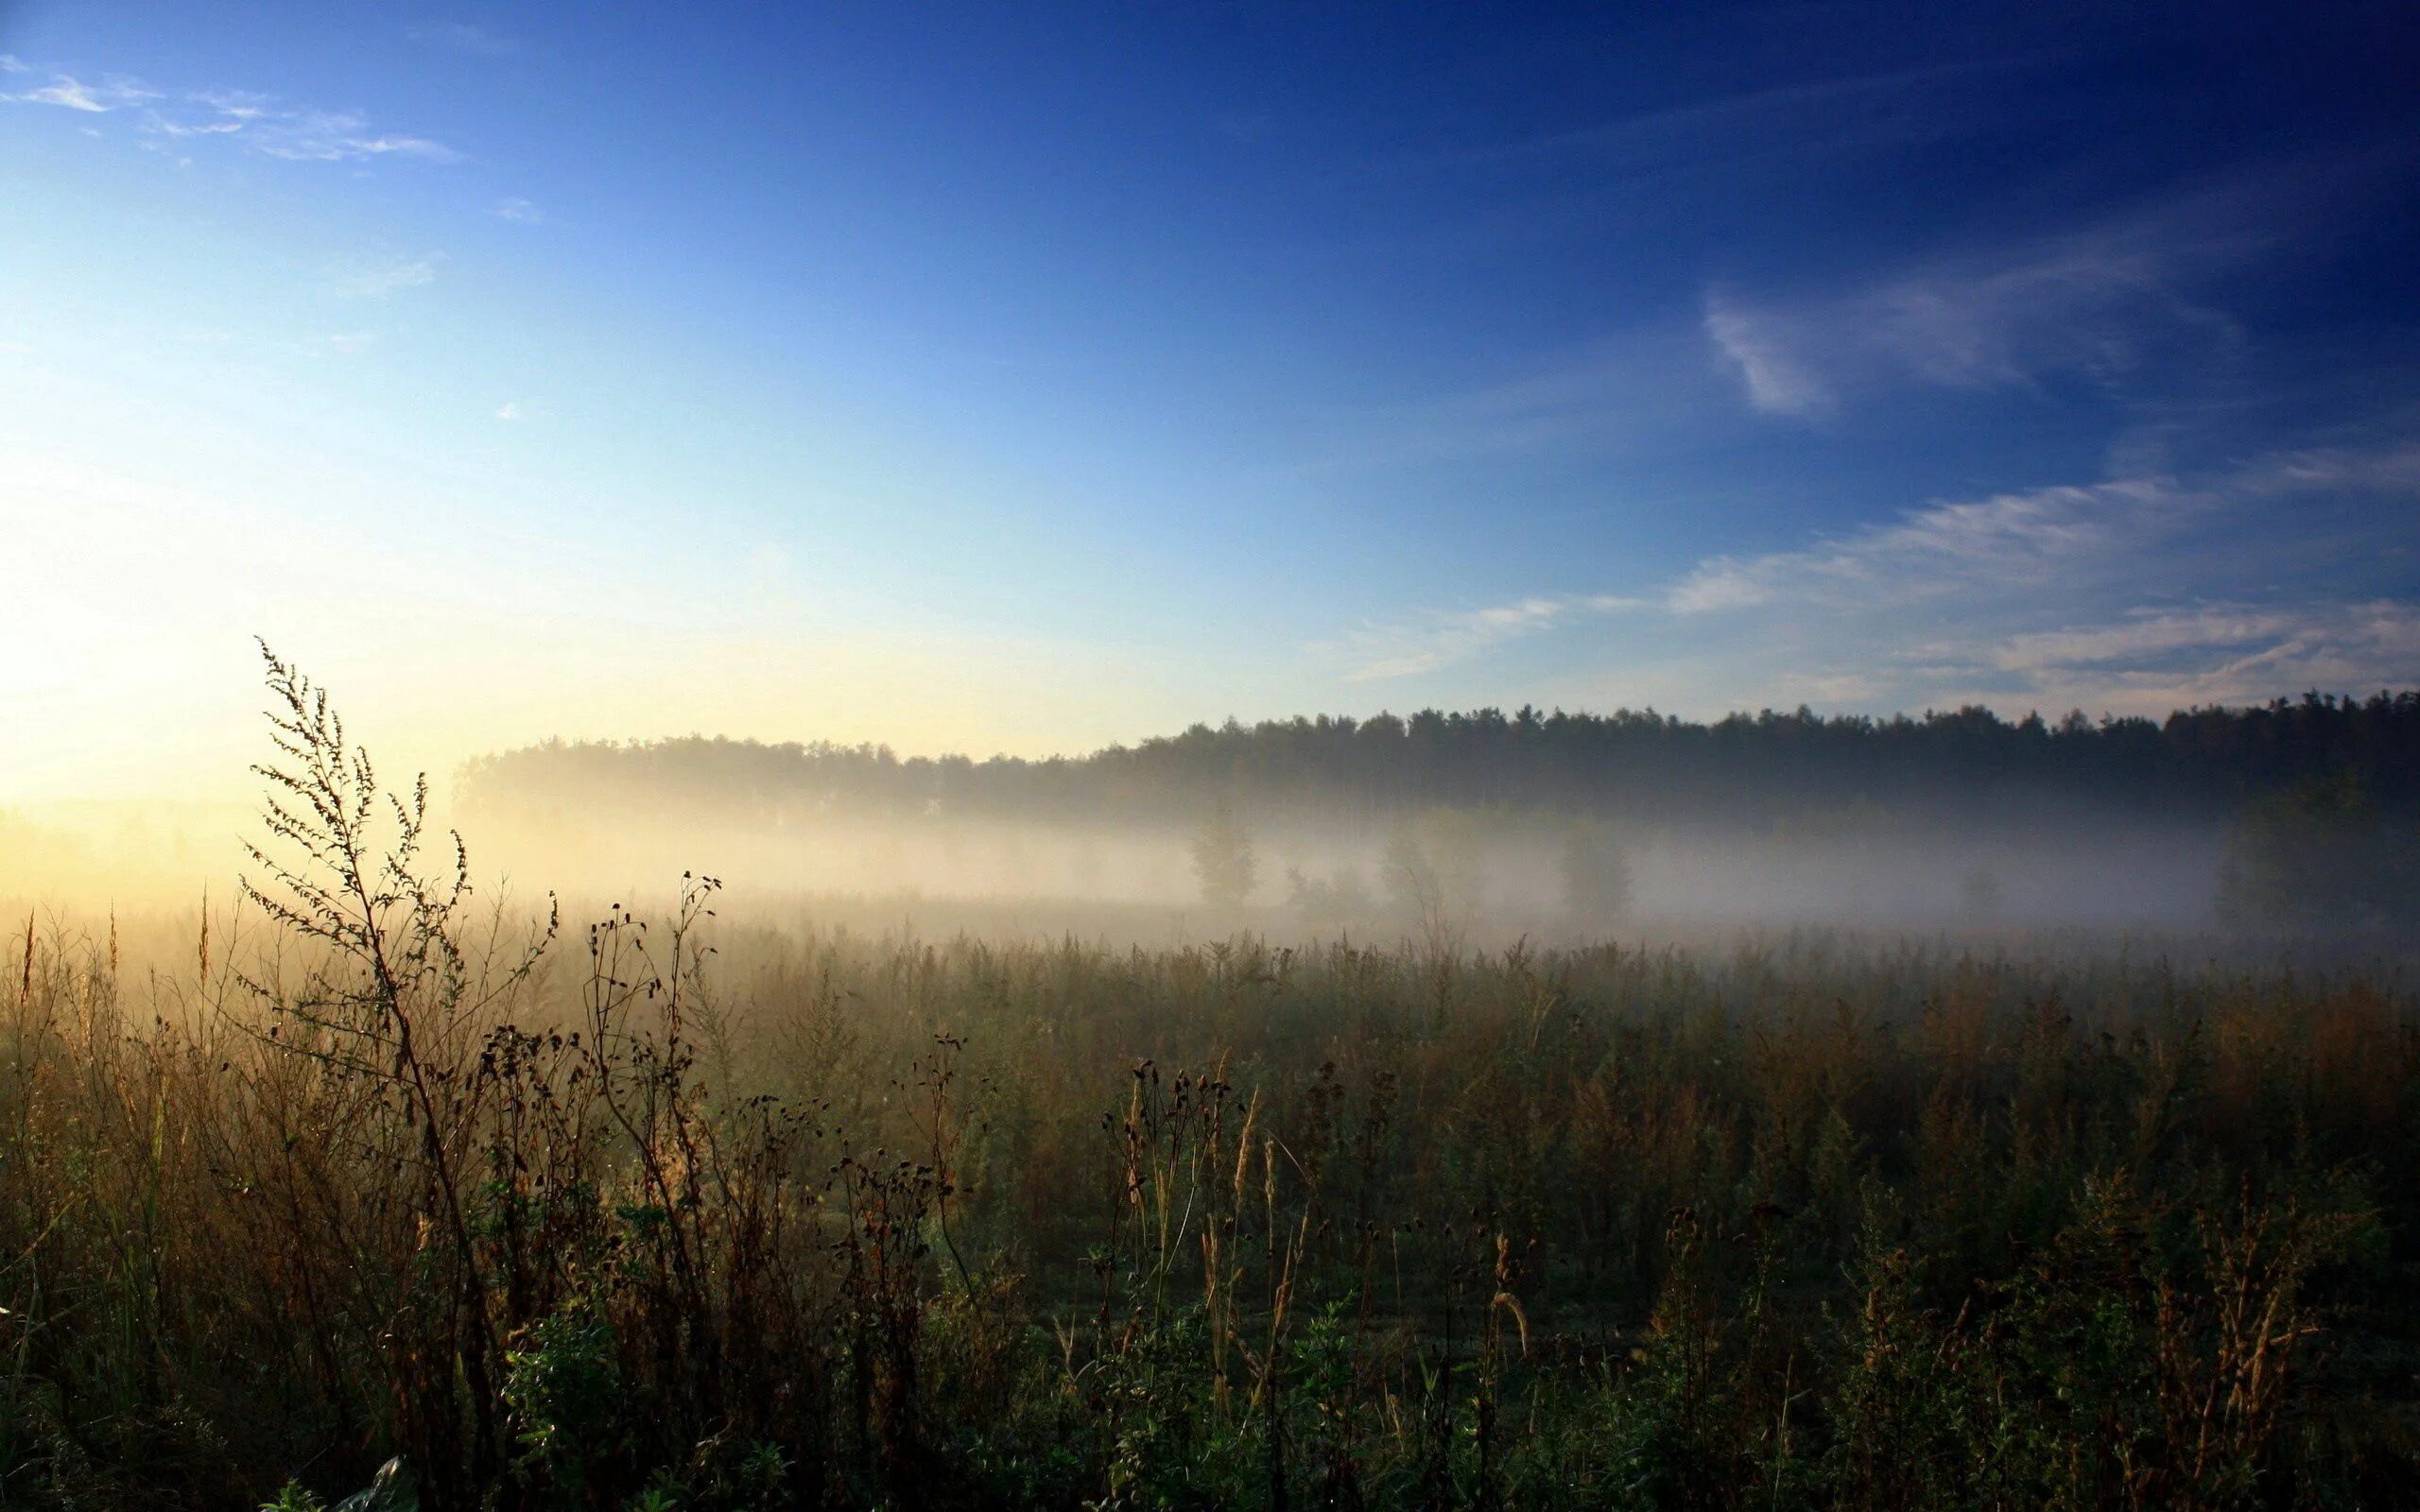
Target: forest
pixel 1745 769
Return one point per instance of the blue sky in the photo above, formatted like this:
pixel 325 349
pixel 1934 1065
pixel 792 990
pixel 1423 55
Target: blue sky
pixel 1029 377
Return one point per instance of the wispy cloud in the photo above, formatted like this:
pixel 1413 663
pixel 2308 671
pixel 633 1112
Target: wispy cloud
pixel 2124 301
pixel 2068 539
pixel 2144 635
pixel 2148 659
pixel 113 93
pixel 339 136
pixel 468 37
pixel 2133 595
pixel 255 122
pixel 181 129
pixel 2389 468
pixel 2005 539
pixel 377 279
pixel 1379 652
pixel 1779 381
pixel 509 410
pixel 521 212
pixel 1854 114
pixel 236 105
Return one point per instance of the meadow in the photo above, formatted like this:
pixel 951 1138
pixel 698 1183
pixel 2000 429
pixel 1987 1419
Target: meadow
pixel 698 1204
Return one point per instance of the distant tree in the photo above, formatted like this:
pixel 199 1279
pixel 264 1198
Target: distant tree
pixel 1222 858
pixel 1596 875
pixel 1981 894
pixel 1342 897
pixel 2320 855
pixel 1433 872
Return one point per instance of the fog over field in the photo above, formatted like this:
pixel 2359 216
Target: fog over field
pixel 1552 826
pixel 1480 826
pixel 2116 872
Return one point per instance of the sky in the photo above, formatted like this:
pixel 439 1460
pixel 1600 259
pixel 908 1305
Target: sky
pixel 1026 378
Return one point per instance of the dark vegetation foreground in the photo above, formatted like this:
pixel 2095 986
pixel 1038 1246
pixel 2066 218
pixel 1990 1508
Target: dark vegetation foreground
pixel 688 1214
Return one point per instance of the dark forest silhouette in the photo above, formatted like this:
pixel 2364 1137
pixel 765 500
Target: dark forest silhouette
pixel 1745 768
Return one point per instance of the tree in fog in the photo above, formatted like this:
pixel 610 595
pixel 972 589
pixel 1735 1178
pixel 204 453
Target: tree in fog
pixel 1433 871
pixel 1222 858
pixel 1338 899
pixel 1596 881
pixel 1981 894
pixel 2320 855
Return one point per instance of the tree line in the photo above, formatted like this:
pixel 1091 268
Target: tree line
pixel 1636 766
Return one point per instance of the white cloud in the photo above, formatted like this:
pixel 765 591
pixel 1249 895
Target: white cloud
pixel 65 93
pixel 181 128
pixel 1402 651
pixel 338 136
pixel 259 123
pixel 1857 114
pixel 519 210
pixel 2133 595
pixel 375 280
pixel 10 64
pixel 509 410
pixel 1945 548
pixel 1777 382
pixel 2149 661
pixel 113 93
pixel 2379 470
pixel 235 104
pixel 2119 302
pixel 2143 634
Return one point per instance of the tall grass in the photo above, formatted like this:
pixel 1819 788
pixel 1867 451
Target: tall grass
pixel 705 1212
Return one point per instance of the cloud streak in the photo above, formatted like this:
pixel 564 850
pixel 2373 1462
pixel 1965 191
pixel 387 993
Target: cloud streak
pixel 114 93
pixel 1381 652
pixel 2123 302
pixel 1858 114
pixel 375 280
pixel 2150 661
pixel 255 122
pixel 2130 594
pixel 2023 538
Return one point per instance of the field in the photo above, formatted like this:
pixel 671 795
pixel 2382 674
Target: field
pixel 708 1205
pixel 1807 1222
